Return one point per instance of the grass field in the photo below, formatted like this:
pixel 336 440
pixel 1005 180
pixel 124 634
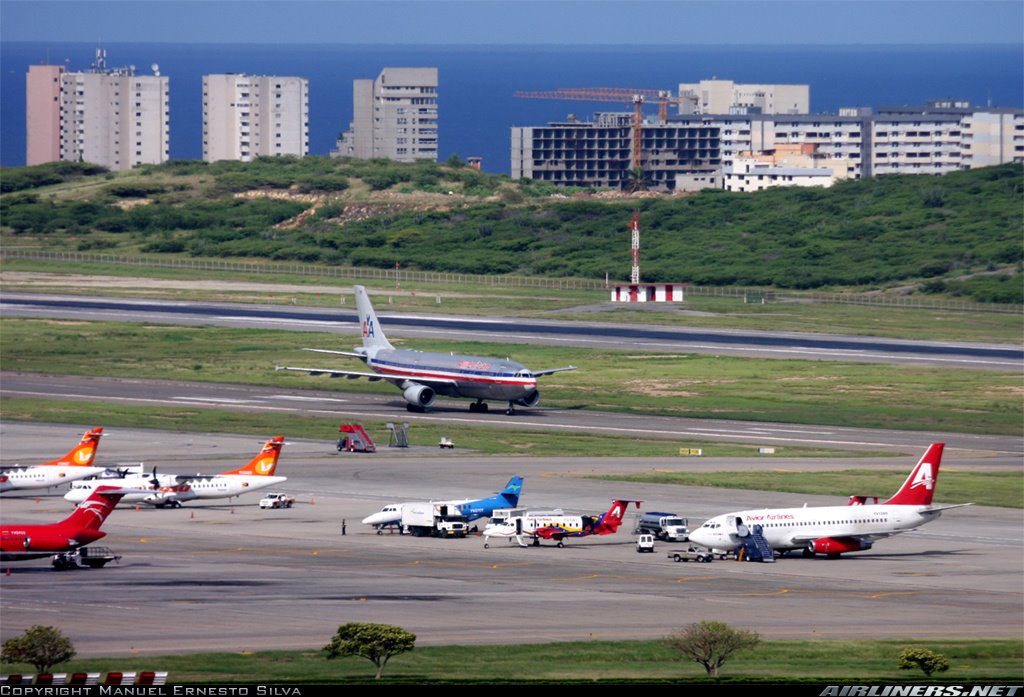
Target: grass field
pixel 474 439
pixel 808 392
pixel 701 311
pixel 995 660
pixel 1004 489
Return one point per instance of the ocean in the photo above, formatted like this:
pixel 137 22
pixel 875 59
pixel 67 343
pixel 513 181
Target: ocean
pixel 475 94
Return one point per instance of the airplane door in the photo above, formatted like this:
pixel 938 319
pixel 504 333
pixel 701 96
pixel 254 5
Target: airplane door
pixel 519 526
pixel 741 529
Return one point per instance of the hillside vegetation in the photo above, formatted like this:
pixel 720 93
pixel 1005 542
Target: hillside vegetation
pixel 957 234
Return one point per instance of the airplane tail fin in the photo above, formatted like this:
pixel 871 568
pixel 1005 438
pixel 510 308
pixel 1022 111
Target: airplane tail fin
pixel 265 463
pixel 82 454
pixel 90 514
pixel 512 491
pixel 919 487
pixel 373 335
pixel 611 520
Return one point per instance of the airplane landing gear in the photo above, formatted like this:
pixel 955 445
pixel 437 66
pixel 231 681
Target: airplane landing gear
pixel 478 406
pixel 511 411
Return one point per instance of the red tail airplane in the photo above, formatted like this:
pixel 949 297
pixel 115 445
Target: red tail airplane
pixel 82 527
pixel 554 525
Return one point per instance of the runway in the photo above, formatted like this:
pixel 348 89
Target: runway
pixel 761 344
pixel 340 405
pixel 233 578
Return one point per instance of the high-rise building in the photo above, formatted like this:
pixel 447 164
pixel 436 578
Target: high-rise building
pixel 246 116
pixel 110 117
pixel 393 117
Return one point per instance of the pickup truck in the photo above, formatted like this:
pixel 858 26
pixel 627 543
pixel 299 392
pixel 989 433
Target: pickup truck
pixel 691 554
pixel 277 500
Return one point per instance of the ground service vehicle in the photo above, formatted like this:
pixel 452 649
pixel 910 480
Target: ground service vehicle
pixel 434 520
pixel 645 543
pixel 277 500
pixel 664 526
pixel 691 554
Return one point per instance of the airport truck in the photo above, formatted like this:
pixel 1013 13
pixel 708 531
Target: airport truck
pixel 277 500
pixel 664 526
pixel 428 519
pixel 691 554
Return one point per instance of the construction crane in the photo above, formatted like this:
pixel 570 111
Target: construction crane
pixel 636 97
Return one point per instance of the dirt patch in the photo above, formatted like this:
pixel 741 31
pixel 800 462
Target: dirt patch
pixel 129 203
pixel 659 388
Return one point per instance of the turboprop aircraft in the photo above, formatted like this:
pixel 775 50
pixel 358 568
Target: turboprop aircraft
pixel 77 464
pixel 423 375
pixel 554 525
pixel 174 489
pixel 470 508
pixel 834 530
pixel 82 527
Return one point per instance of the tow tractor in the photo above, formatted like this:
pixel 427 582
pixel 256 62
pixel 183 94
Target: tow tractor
pixel 92 557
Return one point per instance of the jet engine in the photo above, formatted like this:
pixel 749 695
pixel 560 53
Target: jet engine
pixel 834 547
pixel 419 396
pixel 530 400
pixel 47 541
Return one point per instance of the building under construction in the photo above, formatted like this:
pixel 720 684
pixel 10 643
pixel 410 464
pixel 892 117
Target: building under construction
pixel 599 153
pixel 690 152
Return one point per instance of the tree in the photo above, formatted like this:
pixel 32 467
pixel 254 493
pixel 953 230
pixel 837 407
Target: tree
pixel 42 647
pixel 928 661
pixel 711 643
pixel 374 642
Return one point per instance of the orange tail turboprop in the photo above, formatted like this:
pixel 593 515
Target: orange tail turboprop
pixel 82 454
pixel 265 463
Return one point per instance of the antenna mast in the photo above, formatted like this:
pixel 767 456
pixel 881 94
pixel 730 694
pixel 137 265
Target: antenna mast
pixel 634 226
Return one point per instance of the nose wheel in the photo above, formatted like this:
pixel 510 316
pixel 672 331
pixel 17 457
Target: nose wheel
pixel 511 411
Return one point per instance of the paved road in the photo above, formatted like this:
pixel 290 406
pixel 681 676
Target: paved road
pixel 391 407
pixel 517 330
pixel 233 578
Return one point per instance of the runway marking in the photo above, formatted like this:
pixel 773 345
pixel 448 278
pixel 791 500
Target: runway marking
pixel 844 594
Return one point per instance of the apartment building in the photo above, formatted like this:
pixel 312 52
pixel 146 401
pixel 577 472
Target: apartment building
pixel 248 116
pixel 726 97
pixel 110 117
pixel 690 152
pixel 393 117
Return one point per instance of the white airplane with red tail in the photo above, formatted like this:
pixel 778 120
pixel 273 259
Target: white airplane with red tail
pixel 163 490
pixel 834 530
pixel 77 464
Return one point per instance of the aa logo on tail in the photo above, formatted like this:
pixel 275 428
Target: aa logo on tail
pixel 368 328
pixel 924 477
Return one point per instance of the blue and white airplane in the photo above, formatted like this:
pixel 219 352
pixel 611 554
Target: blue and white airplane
pixel 471 508
pixel 423 375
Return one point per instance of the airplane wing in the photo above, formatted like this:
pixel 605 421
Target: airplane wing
pixel 372 377
pixel 351 374
pixel 354 354
pixel 549 371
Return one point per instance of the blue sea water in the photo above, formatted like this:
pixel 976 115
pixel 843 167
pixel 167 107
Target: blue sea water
pixel 476 103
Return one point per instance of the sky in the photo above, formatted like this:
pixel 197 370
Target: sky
pixel 565 22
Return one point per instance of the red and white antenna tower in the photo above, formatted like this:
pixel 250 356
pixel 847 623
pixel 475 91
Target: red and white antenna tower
pixel 634 250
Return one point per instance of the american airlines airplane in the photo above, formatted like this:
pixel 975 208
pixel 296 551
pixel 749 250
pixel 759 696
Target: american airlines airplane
pixel 423 375
pixel 174 489
pixel 834 530
pixel 77 464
